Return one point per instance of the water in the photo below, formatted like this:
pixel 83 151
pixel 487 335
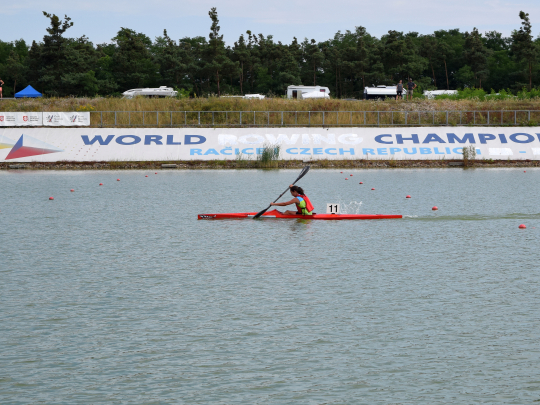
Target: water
pixel 117 294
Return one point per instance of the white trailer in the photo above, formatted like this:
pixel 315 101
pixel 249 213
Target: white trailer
pixel 431 94
pixel 381 92
pixel 162 91
pixel 303 92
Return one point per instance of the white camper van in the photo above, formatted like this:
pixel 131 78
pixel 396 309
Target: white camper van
pixel 162 91
pixel 431 94
pixel 381 92
pixel 302 92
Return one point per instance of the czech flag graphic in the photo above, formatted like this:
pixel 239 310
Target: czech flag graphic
pixel 28 146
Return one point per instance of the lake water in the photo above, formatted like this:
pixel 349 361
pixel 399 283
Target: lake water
pixel 116 294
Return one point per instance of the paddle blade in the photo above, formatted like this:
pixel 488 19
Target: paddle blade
pixel 302 173
pixel 262 212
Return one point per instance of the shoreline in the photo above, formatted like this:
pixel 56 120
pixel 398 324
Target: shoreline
pixel 281 164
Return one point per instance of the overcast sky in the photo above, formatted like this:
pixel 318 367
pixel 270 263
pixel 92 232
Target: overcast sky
pixel 99 20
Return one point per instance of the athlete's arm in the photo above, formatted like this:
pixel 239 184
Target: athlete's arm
pixel 283 204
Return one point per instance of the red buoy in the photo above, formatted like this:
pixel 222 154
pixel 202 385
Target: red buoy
pixel 72 190
pixel 341 172
pixel 434 208
pixel 522 226
pixel 117 179
pixel 360 183
pixel 51 198
pixel 373 189
pixel 408 196
pixel 100 184
pixel 524 171
pixel 146 176
pixel 156 172
pixel 346 178
pixel 351 174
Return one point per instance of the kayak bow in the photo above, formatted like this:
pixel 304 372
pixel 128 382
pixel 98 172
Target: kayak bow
pixel 275 214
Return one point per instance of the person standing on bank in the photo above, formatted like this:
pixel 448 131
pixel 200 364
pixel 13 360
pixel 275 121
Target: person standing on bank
pixel 399 89
pixel 410 87
pixel 1 84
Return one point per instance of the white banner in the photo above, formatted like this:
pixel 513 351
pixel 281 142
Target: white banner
pixel 52 119
pixel 21 119
pixel 66 119
pixel 163 144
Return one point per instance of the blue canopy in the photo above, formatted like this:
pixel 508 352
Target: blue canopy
pixel 28 92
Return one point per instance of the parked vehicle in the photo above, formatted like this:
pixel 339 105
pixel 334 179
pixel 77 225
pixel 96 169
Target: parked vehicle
pixel 162 91
pixel 431 94
pixel 248 96
pixel 303 92
pixel 381 92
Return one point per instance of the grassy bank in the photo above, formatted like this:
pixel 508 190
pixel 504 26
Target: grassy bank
pixel 275 112
pixel 281 164
pixel 269 104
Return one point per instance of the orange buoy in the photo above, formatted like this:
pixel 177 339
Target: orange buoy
pixel 434 208
pixel 522 226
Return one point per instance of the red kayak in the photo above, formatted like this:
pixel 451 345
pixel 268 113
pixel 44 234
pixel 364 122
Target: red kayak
pixel 275 214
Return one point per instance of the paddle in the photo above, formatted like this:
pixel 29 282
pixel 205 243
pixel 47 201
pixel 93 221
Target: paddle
pixel 302 174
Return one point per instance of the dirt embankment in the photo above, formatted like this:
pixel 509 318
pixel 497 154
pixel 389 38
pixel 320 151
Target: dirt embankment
pixel 282 164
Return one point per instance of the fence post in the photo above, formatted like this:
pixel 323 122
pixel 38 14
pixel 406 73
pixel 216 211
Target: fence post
pixel 212 118
pixel 115 118
pixel 501 117
pixel 129 118
pixel 337 117
pixel 253 117
pixel 282 118
pixel 240 117
pixel 392 117
pixel 515 117
pixel 185 118
pixel 296 118
pixel 460 117
pixel 474 117
pixel 364 118
pixel 323 118
pixel 143 118
pixel 157 119
pixel 378 118
pixel 101 112
pixel 351 118
pixel 406 117
pixel 171 119
pixel 268 115
pixel 488 118
pixel 309 118
pixel 446 118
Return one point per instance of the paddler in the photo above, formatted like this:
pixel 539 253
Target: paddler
pixel 303 205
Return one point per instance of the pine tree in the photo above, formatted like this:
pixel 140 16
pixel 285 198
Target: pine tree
pixel 523 47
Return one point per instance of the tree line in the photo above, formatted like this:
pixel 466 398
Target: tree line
pixel 447 59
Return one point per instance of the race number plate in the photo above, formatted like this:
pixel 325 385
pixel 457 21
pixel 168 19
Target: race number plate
pixel 332 208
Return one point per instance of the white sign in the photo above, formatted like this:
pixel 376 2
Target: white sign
pixel 332 209
pixel 38 119
pixel 305 144
pixel 66 119
pixel 20 119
